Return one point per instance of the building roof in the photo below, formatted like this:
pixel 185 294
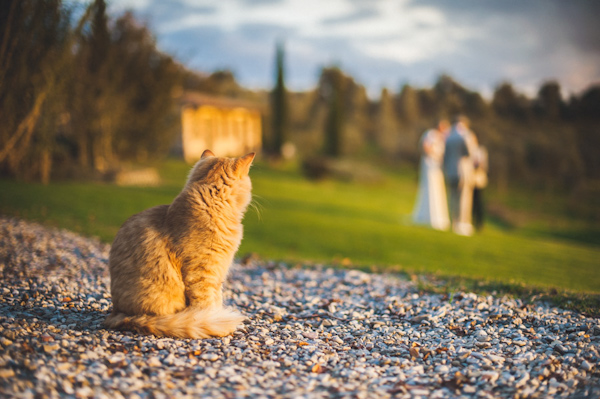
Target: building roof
pixel 196 99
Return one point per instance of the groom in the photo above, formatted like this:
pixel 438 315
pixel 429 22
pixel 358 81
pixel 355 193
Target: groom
pixel 458 169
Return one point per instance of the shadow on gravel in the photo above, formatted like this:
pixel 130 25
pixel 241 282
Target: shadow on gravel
pixel 66 318
pixel 36 301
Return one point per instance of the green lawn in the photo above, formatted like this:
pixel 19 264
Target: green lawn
pixel 329 221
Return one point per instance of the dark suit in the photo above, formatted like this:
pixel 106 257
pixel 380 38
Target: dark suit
pixel 456 149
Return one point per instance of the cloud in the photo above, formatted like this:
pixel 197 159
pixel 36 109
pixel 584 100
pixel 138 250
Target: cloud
pixel 138 5
pixel 380 42
pixel 361 14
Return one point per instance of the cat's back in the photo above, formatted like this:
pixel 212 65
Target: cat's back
pixel 144 278
pixel 140 232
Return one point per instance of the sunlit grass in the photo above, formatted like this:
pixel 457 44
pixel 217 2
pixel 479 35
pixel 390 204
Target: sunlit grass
pixel 303 221
pixel 369 225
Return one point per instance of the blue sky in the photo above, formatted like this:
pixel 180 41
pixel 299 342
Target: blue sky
pixel 384 43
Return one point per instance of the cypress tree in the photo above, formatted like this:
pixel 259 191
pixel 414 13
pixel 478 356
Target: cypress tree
pixel 279 105
pixel 335 118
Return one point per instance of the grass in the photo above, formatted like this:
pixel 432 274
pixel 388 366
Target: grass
pixel 343 223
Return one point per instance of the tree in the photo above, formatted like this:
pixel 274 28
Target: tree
pixel 79 94
pixel 142 113
pixel 408 105
pixel 587 111
pixel 504 101
pixel 98 84
pixel 589 104
pixel 387 129
pixel 549 102
pixel 279 105
pixel 35 59
pixel 450 96
pixel 334 124
pixel 357 121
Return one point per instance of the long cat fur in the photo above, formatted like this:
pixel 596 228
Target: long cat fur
pixel 168 263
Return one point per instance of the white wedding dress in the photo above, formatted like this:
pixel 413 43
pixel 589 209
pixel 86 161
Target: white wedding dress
pixel 431 208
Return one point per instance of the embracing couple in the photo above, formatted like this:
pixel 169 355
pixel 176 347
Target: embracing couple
pixel 451 154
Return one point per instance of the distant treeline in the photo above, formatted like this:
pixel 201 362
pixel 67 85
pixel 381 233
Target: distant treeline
pixel 546 141
pixel 80 92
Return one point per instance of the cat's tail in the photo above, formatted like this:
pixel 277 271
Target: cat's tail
pixel 189 323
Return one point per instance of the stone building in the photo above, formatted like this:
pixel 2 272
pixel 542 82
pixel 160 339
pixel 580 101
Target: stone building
pixel 227 127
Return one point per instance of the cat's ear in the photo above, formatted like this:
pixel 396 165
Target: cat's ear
pixel 206 154
pixel 242 165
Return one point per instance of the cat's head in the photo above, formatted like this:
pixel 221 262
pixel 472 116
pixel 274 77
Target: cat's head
pixel 231 174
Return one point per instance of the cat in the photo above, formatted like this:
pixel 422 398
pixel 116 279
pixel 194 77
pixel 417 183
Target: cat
pixel 168 263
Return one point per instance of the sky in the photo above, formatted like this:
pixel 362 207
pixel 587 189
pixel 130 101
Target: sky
pixel 384 43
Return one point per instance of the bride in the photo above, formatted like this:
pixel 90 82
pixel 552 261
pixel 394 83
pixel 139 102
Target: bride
pixel 431 208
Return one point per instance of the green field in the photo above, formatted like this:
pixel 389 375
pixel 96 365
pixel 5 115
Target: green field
pixel 366 225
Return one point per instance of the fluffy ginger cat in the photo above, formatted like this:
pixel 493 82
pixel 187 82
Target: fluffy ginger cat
pixel 168 263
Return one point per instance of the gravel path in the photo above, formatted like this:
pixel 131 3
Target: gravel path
pixel 311 332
